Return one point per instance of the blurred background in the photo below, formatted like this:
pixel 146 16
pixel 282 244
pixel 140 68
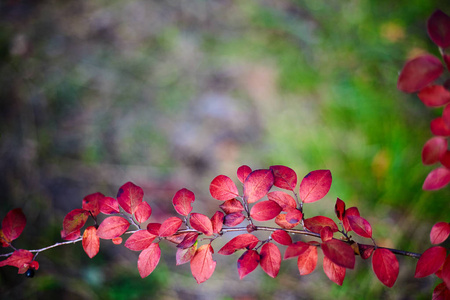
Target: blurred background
pixel 170 94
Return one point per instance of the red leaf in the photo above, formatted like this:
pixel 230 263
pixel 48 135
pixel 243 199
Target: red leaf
pixel 360 226
pixel 438 27
pixel 243 172
pixel 385 265
pixel 143 212
pixel 284 177
pixel 74 220
pixel 434 96
pixel 307 261
pixel 445 274
pixel 339 209
pixel 295 249
pixel 247 263
pixel 117 240
pixel 283 199
pixel 112 227
pixel 333 271
pixel 170 226
pixel 281 221
pixel 439 128
pixel 446 115
pixel 177 238
pixel 437 179
pixel 293 215
pixel 233 219
pixel 189 240
pixel 92 203
pixel 13 224
pixel 91 242
pixel 326 234
pixel 109 206
pixel 217 221
pixel 365 250
pixel 4 241
pixel 232 206
pixel 182 201
pixel 433 150
pixel 153 228
pixel 140 240
pixel 18 259
pixel 439 233
pixel 270 259
pixel 257 184
pixel 446 58
pixel 202 264
pixel 351 211
pixel 223 188
pixel 281 237
pixel 339 253
pixel 315 224
pixel 315 185
pixel 71 236
pixel 441 292
pixel 242 241
pixel 129 196
pixel 265 210
pixel 201 223
pixel 430 261
pixel 418 73
pixel 185 255
pixel 445 159
pixel 148 260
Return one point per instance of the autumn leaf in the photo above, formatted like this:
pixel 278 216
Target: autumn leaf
pixel 189 240
pixel 75 220
pixel 439 232
pixel 223 188
pixel 315 224
pixel 437 179
pixel 307 261
pixel 284 177
pixel 143 212
pixel 90 241
pixel 233 219
pixel 438 26
pixel 140 240
pixel 232 206
pixel 281 237
pixel 434 95
pixel 112 227
pixel 185 255
pixel 339 253
pixel 333 271
pixel 243 172
pixel 270 259
pixel 153 228
pixel 170 226
pixel 385 266
pixel 18 259
pixel 295 249
pixel 360 226
pixel 13 224
pixel 283 199
pixel 242 241
pixel 433 150
pixel 339 209
pixel 202 264
pixel 257 184
pixel 430 261
pixel 201 223
pixel 182 201
pixel 148 260
pixel 265 210
pixel 129 196
pixel 247 263
pixel 217 221
pixel 109 205
pixel 315 185
pixel 281 221
pixel 92 203
pixel 418 73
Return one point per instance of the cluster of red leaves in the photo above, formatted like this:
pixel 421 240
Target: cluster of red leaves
pixel 422 75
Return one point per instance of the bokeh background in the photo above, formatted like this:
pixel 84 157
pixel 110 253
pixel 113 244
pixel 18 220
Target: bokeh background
pixel 169 94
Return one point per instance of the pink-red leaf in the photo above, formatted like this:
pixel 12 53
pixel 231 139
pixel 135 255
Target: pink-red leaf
pixel 242 241
pixel 339 209
pixel 265 210
pixel 284 177
pixel 281 237
pixel 326 234
pixel 437 179
pixel 232 206
pixel 217 221
pixel 74 220
pixel 433 150
pixel 182 201
pixel 439 128
pixel 247 263
pixel 243 172
pixel 438 27
pixel 445 274
pixel 189 240
pixel 148 260
pixel 13 224
pixel 281 221
pixel 445 159
pixel 170 226
pixel 446 115
pixel 283 199
pixel 360 226
pixel 439 232
pixel 339 253
pixel 109 206
pixel 307 261
pixel 351 211
pixel 430 261
pixel 129 196
pixel 71 236
pixel 140 240
pixel 185 255
pixel 92 203
pixel 295 249
pixel 223 188
pixel 365 250
pixel 257 185
pixel 418 73
pixel 117 240
pixel 315 224
pixel 233 219
pixel 201 223
pixel 91 242
pixel 202 264
pixel 18 259
pixel 293 215
pixel 441 292
pixel 112 227
pixel 385 266
pixel 434 95
pixel 315 185
pixel 143 212
pixel 270 259
pixel 153 228
pixel 333 271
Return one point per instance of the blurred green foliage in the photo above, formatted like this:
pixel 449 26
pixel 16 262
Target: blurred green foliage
pixel 169 94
